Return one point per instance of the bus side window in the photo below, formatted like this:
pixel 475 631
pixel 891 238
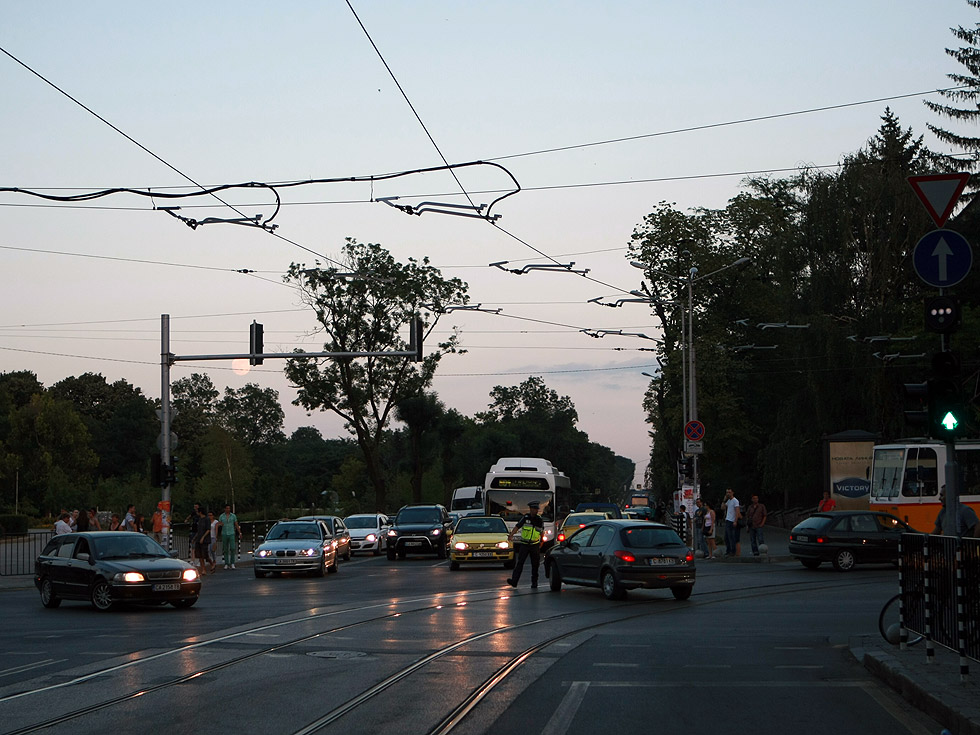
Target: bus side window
pixel 928 473
pixel 911 486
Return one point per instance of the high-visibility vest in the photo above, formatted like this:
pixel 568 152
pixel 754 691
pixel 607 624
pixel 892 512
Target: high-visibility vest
pixel 530 534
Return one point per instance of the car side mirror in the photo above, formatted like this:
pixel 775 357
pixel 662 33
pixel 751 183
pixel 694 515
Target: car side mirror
pixel 83 556
pixel 571 546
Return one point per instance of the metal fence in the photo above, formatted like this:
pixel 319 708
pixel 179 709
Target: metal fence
pixel 18 551
pixel 940 593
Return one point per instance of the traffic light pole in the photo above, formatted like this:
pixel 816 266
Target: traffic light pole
pixel 165 416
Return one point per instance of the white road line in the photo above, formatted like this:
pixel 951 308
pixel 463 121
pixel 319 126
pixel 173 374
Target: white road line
pixel 563 716
pixel 28 667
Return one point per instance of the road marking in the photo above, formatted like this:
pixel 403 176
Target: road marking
pixel 565 713
pixel 28 667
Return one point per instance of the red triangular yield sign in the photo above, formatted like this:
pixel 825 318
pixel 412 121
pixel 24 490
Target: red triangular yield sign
pixel 939 193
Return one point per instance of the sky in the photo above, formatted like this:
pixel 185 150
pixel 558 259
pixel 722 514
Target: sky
pixel 227 92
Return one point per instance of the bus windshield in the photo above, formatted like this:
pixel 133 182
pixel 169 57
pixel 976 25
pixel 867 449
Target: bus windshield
pixel 886 479
pixel 512 504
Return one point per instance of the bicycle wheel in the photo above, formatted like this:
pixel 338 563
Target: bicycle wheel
pixel 889 625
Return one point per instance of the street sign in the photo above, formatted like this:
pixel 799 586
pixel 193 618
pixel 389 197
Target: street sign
pixel 691 447
pixel 694 431
pixel 942 258
pixel 939 193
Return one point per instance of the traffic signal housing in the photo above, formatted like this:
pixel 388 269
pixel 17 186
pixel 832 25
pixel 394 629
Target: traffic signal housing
pixel 947 409
pixel 917 405
pixel 943 314
pixel 255 340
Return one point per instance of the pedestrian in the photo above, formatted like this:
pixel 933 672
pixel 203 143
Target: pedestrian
pixel 73 521
pixel 202 537
pixel 63 524
pixel 531 527
pixel 212 540
pixel 967 524
pixel 230 532
pixel 755 520
pixel 140 523
pixel 700 544
pixel 129 521
pixel 709 530
pixel 827 504
pixel 114 524
pixel 81 522
pixel 157 525
pixel 192 520
pixel 733 514
pixel 93 520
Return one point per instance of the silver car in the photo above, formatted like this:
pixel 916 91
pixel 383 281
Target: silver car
pixel 368 531
pixel 296 546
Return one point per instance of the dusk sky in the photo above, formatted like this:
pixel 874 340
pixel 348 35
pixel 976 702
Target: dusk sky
pixel 229 92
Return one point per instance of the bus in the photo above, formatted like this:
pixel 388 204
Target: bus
pixel 906 478
pixel 513 482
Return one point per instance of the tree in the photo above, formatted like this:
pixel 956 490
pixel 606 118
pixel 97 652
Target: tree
pixel 252 414
pixel 421 415
pixel 194 401
pixel 965 103
pixel 361 309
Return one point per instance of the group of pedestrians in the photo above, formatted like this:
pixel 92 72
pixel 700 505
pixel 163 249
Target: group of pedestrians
pixel 207 531
pixel 734 517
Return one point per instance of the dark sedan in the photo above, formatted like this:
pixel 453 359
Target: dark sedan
pixel 106 567
pixel 620 555
pixel 847 537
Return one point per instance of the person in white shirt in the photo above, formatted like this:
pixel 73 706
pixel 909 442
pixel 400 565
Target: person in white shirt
pixel 62 525
pixel 733 513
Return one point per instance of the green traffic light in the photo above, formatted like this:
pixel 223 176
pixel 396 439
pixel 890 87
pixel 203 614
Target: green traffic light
pixel 949 421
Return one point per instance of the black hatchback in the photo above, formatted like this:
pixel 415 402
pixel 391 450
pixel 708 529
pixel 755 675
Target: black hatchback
pixel 619 555
pixel 847 537
pixel 106 567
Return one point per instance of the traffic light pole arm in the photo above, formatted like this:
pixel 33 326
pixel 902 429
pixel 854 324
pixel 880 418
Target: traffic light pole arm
pixel 290 355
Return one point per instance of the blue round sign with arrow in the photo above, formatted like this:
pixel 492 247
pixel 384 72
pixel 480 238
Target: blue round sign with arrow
pixel 942 258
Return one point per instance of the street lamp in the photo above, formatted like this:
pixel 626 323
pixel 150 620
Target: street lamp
pixel 691 398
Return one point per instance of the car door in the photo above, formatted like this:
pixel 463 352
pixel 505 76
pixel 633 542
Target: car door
pixel 592 555
pixel 342 534
pixel 890 533
pixel 869 542
pixel 79 572
pixel 49 566
pixel 568 554
pixel 60 569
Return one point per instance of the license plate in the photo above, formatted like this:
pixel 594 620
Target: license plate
pixel 413 543
pixel 285 561
pixel 661 562
pixel 483 554
pixel 802 538
pixel 168 587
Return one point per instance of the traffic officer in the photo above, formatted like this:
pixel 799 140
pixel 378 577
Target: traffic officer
pixel 531 528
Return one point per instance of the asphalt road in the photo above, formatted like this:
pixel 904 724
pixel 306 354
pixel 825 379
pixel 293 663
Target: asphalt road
pixel 757 648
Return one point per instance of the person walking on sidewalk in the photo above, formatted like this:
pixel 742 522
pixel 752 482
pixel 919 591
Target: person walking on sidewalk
pixel 230 532
pixel 700 544
pixel 733 532
pixel 531 528
pixel 755 519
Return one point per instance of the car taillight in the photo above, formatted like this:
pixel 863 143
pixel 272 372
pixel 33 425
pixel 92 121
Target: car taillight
pixel 561 537
pixel 689 558
pixel 821 540
pixel 624 556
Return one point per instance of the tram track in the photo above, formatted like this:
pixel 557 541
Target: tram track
pixel 470 699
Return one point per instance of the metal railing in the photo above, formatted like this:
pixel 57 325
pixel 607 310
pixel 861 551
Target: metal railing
pixel 940 593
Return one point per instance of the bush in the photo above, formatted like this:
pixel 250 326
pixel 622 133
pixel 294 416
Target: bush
pixel 10 523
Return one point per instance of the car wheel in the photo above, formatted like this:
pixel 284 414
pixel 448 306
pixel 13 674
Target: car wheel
pixel 321 568
pixel 332 569
pixel 555 578
pixel 259 574
pixel 102 596
pixel 347 555
pixel 611 587
pixel 682 593
pixel 391 554
pixel 844 560
pixel 48 597
pixel 810 563
pixel 185 603
pixel 454 566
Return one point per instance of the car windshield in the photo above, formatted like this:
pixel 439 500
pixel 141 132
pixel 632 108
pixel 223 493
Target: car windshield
pixel 130 546
pixel 640 537
pixel 361 521
pixel 284 531
pixel 481 525
pixel 813 523
pixel 419 515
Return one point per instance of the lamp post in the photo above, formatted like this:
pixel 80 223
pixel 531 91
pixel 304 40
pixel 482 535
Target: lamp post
pixel 689 371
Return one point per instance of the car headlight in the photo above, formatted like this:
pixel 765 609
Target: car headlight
pixel 263 553
pixel 435 531
pixel 392 533
pixel 129 577
pixel 503 545
pixel 371 538
pixel 190 575
pixel 309 552
pixel 548 534
pixel 460 546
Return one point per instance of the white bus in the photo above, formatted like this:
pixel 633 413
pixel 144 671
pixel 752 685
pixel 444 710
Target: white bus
pixel 906 478
pixel 513 482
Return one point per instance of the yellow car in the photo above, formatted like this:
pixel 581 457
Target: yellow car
pixel 575 521
pixel 480 539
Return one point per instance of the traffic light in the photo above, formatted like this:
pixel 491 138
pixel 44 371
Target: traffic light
pixel 917 405
pixel 685 466
pixel 156 470
pixel 947 410
pixel 943 314
pixel 172 471
pixel 255 346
